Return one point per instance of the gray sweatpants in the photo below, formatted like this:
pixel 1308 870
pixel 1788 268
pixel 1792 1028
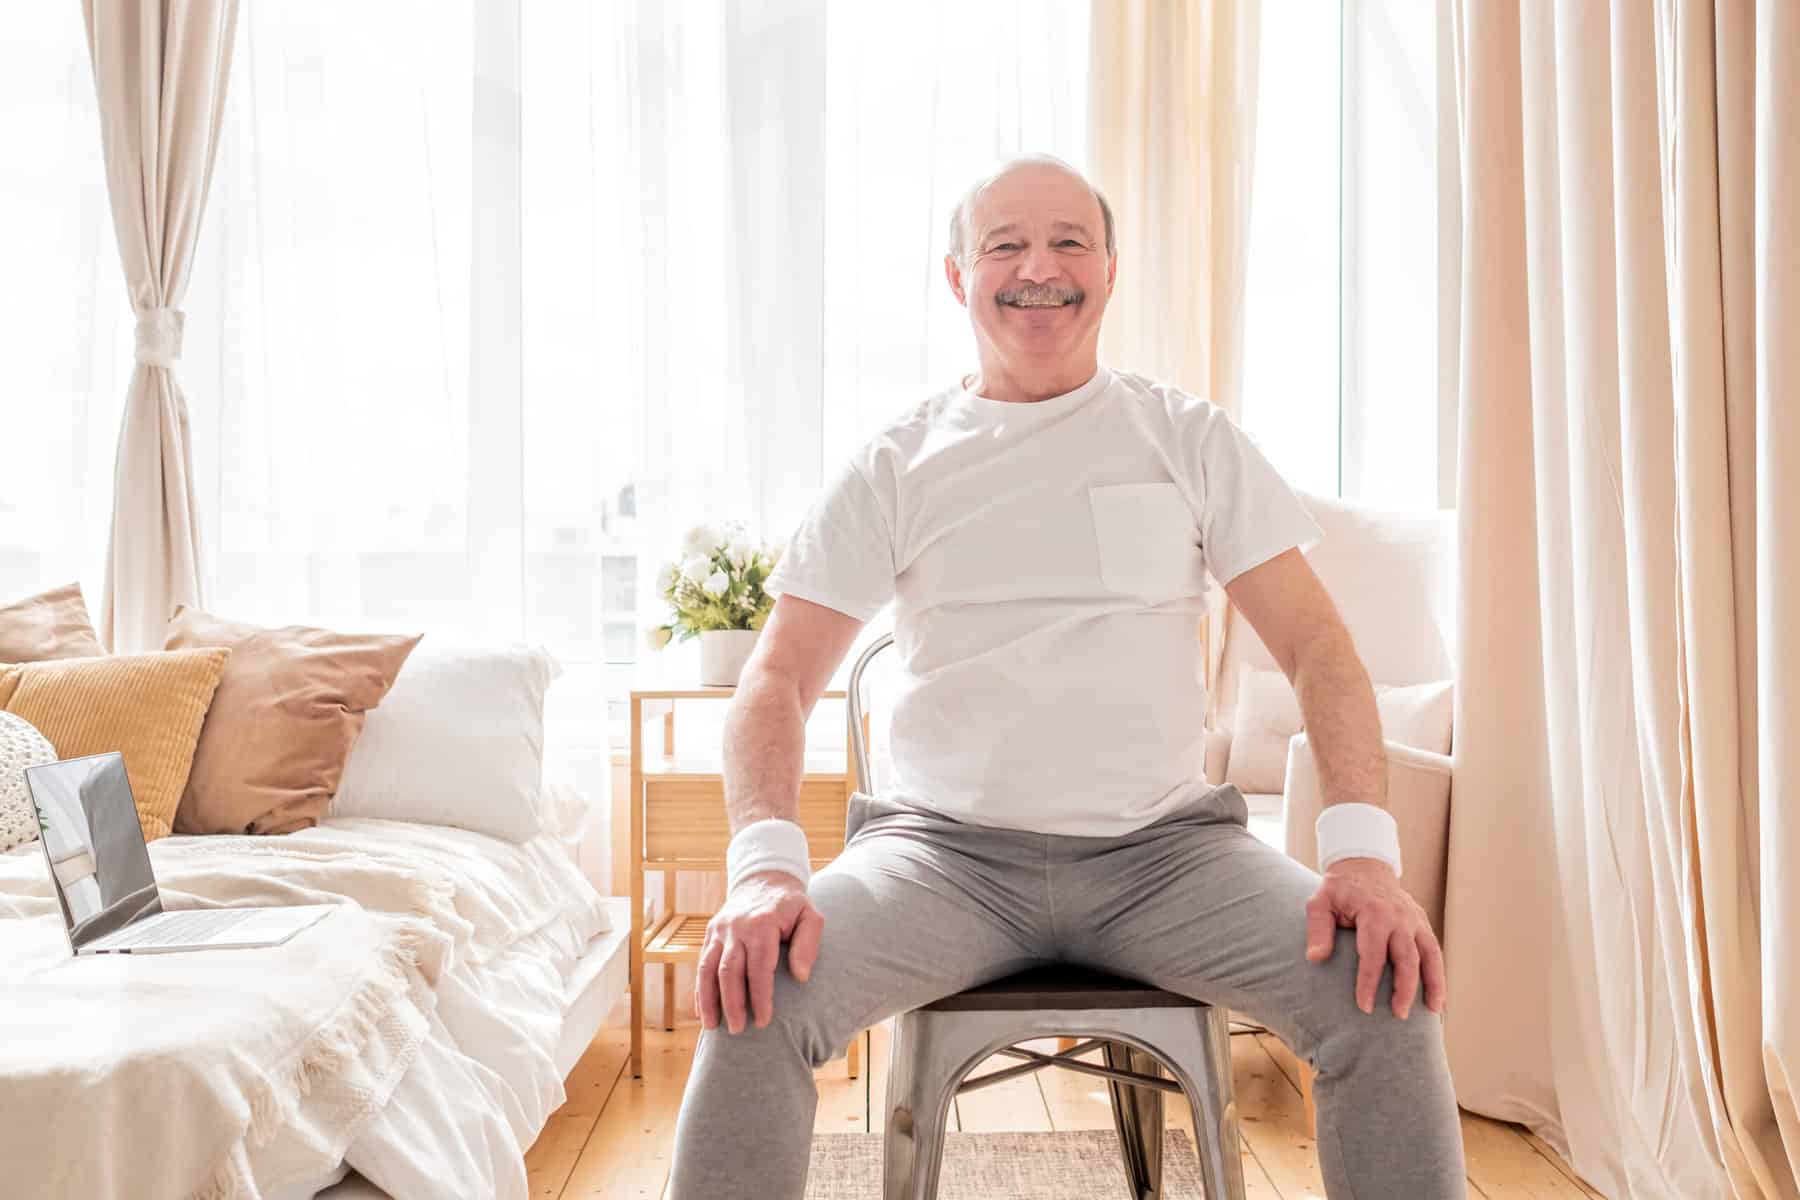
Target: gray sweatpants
pixel 920 906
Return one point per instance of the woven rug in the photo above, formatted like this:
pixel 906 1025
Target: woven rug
pixel 1081 1164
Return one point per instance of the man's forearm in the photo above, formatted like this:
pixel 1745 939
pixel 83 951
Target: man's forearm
pixel 765 748
pixel 1342 722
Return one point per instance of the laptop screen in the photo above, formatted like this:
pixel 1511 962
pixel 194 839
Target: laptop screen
pixel 94 844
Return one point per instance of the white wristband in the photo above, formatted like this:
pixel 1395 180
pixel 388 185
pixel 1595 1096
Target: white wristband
pixel 1358 831
pixel 767 845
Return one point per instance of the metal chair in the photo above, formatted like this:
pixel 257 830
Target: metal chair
pixel 1140 1029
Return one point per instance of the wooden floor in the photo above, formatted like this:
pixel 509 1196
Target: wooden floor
pixel 612 1137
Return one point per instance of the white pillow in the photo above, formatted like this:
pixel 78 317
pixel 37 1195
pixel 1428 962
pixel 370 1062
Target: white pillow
pixel 1419 716
pixel 1268 715
pixel 21 746
pixel 458 740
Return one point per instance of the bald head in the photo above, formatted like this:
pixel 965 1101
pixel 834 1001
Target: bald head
pixel 959 216
pixel 1032 259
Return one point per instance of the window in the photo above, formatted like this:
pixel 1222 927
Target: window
pixel 67 326
pixel 1290 403
pixel 494 298
pixel 1341 385
pixel 733 226
pixel 1392 404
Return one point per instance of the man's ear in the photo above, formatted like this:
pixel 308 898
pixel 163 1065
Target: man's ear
pixel 1112 273
pixel 953 272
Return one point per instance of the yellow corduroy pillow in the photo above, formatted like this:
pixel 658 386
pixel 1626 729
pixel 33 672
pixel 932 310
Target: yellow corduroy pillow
pixel 149 707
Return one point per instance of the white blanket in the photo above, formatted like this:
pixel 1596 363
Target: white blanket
pixel 485 1080
pixel 235 1073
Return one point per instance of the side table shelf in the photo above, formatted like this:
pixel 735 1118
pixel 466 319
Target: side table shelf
pixel 678 822
pixel 677 938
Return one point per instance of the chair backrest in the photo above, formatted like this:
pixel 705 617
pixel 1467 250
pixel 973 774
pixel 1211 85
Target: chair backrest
pixel 1393 577
pixel 853 712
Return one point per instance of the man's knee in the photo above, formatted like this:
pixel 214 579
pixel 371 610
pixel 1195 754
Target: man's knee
pixel 811 1014
pixel 795 1028
pixel 1347 1032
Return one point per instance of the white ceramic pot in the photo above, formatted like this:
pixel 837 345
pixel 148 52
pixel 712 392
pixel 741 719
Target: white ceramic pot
pixel 723 653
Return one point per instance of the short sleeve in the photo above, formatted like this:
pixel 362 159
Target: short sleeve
pixel 841 555
pixel 1249 514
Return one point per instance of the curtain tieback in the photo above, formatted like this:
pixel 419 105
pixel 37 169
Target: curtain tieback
pixel 159 336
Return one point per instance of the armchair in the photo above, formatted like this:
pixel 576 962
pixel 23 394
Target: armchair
pixel 1392 577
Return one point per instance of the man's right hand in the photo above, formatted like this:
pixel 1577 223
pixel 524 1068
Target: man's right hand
pixel 743 944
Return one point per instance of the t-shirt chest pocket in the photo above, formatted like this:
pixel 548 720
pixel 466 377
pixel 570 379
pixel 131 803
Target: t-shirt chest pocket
pixel 1146 539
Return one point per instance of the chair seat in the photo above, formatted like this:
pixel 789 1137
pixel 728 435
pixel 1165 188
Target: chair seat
pixel 1060 986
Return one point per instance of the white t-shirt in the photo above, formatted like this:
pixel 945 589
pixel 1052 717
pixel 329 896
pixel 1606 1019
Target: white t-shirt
pixel 1047 563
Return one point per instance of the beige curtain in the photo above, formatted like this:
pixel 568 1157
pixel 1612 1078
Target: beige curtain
pixel 1171 127
pixel 1623 926
pixel 160 69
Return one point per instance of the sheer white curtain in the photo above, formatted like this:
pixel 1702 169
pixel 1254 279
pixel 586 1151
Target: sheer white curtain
pixel 737 220
pixel 495 299
pixel 329 341
pixel 736 216
pixel 721 269
pixel 65 327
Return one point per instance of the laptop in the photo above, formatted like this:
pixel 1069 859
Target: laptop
pixel 100 865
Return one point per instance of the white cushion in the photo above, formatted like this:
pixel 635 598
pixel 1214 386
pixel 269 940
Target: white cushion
pixel 21 746
pixel 1419 716
pixel 1392 575
pixel 1267 716
pixel 458 740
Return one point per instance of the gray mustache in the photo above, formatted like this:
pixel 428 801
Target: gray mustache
pixel 1037 293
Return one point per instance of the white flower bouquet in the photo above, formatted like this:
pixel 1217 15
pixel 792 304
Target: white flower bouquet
pixel 717 584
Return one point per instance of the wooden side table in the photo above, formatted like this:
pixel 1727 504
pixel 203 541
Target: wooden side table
pixel 678 823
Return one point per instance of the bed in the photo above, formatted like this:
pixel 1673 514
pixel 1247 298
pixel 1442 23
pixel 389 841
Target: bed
pixel 526 1017
pixel 518 963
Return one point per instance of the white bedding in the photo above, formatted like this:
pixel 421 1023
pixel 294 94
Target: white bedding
pixel 472 1085
pixel 463 1116
pixel 485 1080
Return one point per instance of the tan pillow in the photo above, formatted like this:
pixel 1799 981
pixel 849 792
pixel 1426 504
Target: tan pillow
pixel 47 626
pixel 148 707
pixel 288 710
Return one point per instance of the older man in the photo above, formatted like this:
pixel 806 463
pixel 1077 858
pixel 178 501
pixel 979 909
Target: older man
pixel 1045 530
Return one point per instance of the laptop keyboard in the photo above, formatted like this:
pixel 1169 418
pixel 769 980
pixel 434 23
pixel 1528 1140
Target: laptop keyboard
pixel 187 928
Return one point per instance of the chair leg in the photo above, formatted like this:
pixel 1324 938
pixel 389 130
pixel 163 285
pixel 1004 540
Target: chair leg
pixel 1197 1046
pixel 919 1091
pixel 853 1057
pixel 931 1051
pixel 1138 1117
pixel 899 1130
pixel 1221 1159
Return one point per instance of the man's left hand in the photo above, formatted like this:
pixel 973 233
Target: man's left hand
pixel 1364 894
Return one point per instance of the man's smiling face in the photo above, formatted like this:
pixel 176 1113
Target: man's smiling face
pixel 1035 273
